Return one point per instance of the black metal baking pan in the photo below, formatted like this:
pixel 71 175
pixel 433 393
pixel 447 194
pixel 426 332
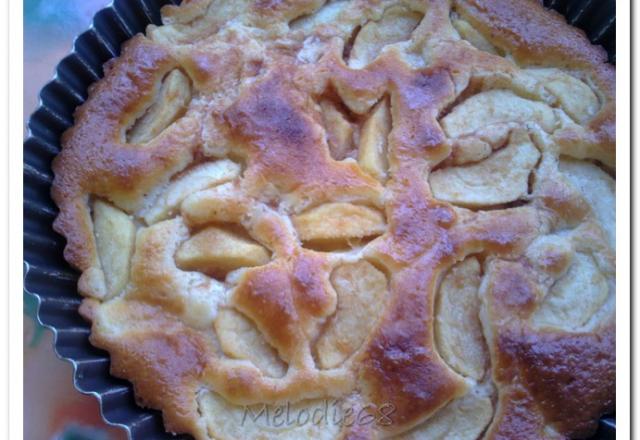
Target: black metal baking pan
pixel 53 281
pixel 596 17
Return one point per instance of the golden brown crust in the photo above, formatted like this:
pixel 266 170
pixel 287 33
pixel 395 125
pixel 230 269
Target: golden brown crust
pixel 535 36
pixel 239 125
pixel 164 364
pixel 570 377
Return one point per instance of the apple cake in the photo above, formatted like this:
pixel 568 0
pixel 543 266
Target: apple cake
pixel 351 219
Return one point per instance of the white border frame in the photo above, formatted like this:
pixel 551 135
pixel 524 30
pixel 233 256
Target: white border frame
pixel 4 219
pixel 625 306
pixel 11 81
pixel 11 19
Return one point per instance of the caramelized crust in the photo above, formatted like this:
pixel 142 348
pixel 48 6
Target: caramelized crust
pixel 296 202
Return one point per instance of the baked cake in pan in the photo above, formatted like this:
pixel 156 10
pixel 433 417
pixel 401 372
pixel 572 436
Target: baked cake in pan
pixel 353 219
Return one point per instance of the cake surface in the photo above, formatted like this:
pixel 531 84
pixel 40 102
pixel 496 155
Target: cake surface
pixel 351 219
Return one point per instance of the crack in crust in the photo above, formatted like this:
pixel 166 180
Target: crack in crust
pixel 276 173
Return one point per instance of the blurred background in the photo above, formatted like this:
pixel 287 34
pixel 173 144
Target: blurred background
pixel 53 409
